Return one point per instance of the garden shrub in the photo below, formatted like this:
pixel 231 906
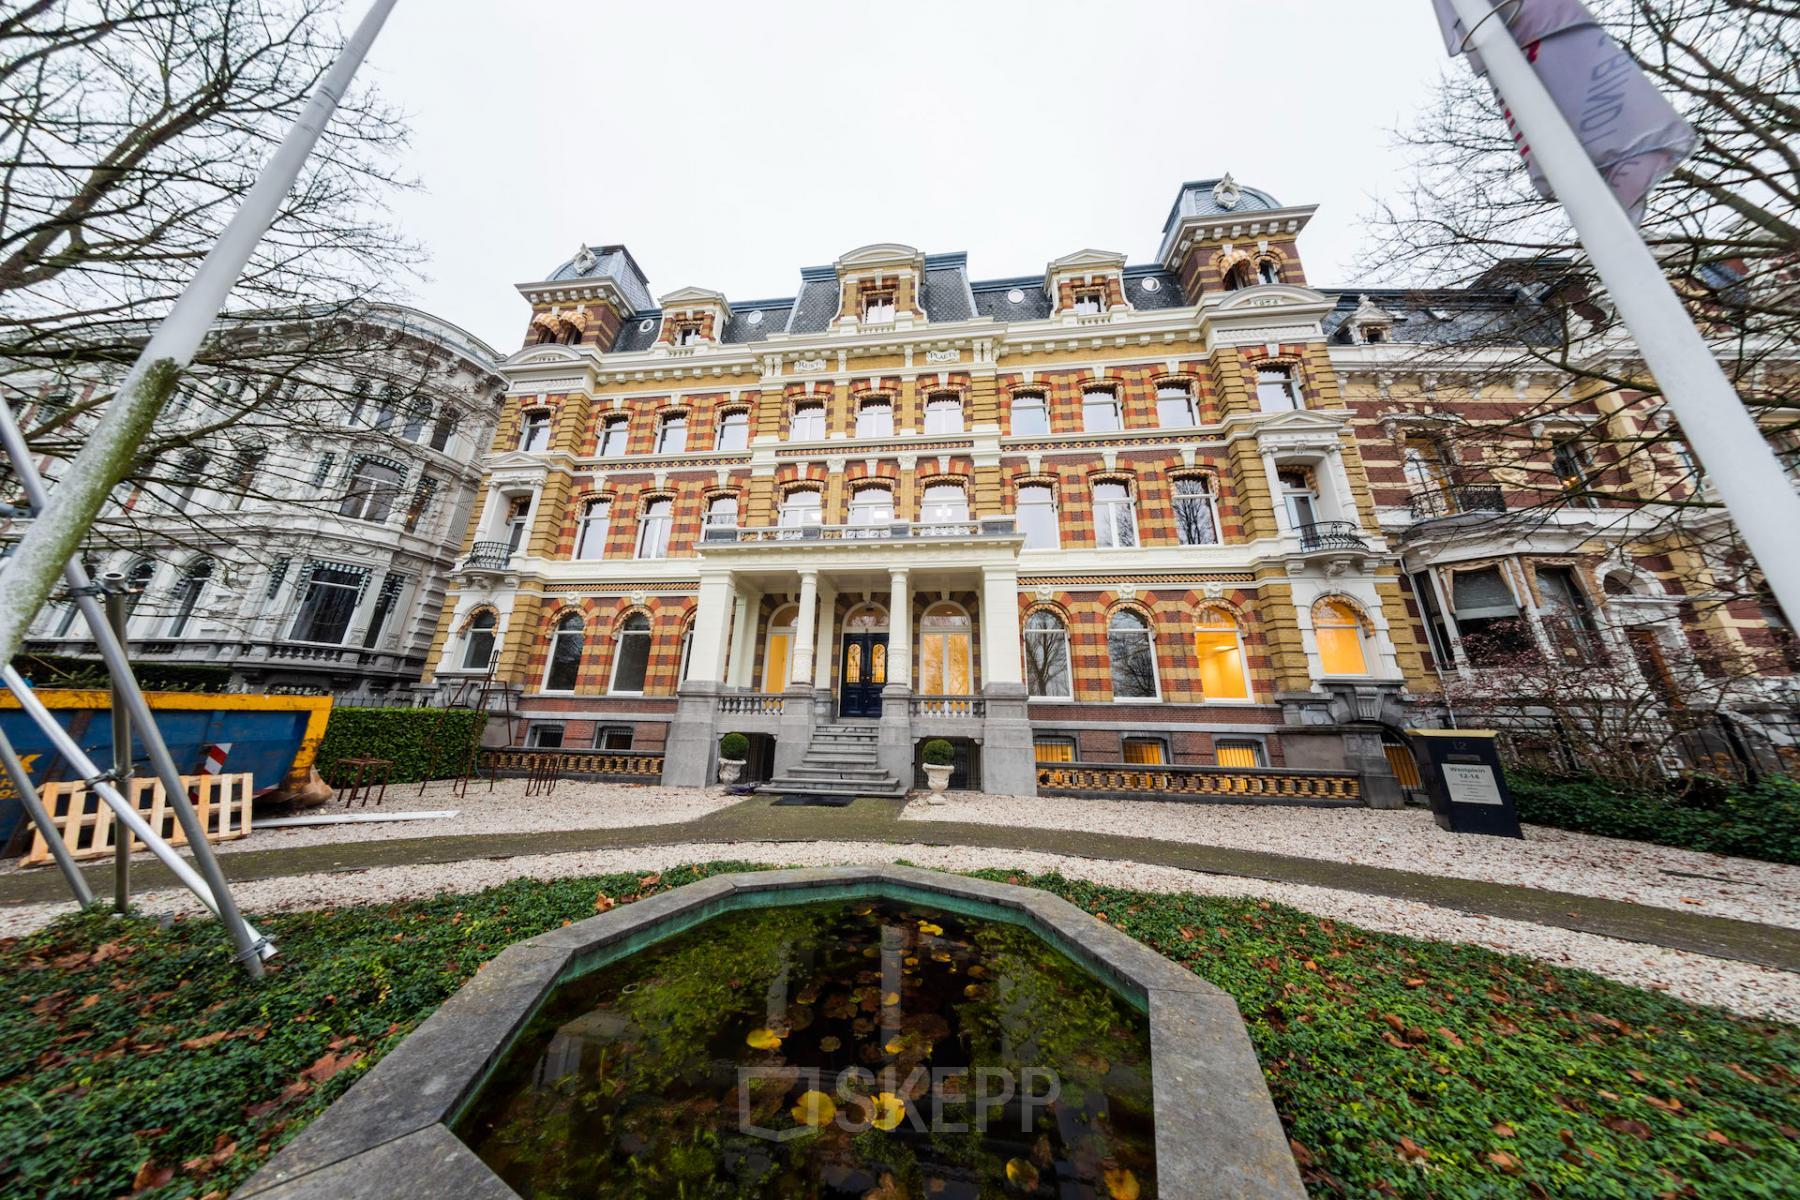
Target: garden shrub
pixel 938 753
pixel 424 743
pixel 734 746
pixel 1760 822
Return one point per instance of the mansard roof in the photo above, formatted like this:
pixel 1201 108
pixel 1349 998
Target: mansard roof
pixel 1213 198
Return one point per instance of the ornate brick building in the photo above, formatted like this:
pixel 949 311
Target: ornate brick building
pixel 1111 514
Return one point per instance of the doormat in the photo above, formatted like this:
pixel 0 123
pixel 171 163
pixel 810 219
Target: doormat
pixel 811 801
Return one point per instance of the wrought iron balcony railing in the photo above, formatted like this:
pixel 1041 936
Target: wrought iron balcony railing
pixel 1331 535
pixel 1457 498
pixel 488 556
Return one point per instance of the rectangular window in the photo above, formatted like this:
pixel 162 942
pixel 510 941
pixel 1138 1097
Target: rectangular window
pixel 1568 619
pixel 534 435
pixel 1037 517
pixel 943 415
pixel 653 531
pixel 546 736
pixel 1487 616
pixel 1030 416
pixel 1054 749
pixel 1238 752
pixel 1196 522
pixel 385 600
pixel 671 435
pixel 1090 301
pixel 808 423
pixel 875 418
pixel 612 737
pixel 442 431
pixel 1146 752
pixel 1275 390
pixel 1115 517
pixel 518 522
pixel 1573 464
pixel 590 530
pixel 734 431
pixel 373 490
pixel 330 601
pixel 1175 407
pixel 613 435
pixel 1436 631
pixel 1099 411
pixel 878 306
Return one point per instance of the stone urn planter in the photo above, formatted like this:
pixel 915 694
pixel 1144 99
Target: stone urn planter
pixel 732 749
pixel 729 770
pixel 939 779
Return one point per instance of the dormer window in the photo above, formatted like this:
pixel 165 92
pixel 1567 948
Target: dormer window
pixel 878 306
pixel 1374 335
pixel 1090 302
pixel 687 335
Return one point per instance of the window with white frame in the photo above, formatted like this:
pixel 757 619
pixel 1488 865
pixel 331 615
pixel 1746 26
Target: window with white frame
pixel 613 737
pixel 545 735
pixel 332 592
pixel 534 434
pixel 1175 406
pixel 1338 629
pixel 631 657
pixel 1037 516
pixel 188 590
pixel 944 504
pixel 654 528
pixel 1099 410
pixel 518 522
pixel 1219 652
pixel 872 506
pixel 1196 514
pixel 1115 515
pixel 808 422
pixel 1132 653
pixel 671 434
pixel 478 642
pixel 734 430
pixel 1030 415
pixel 722 512
pixel 615 433
pixel 374 489
pixel 1145 751
pixel 1301 498
pixel 564 667
pixel 590 529
pixel 1090 301
pixel 1275 389
pixel 878 306
pixel 943 413
pixel 1267 271
pixel 1047 674
pixel 801 508
pixel 875 417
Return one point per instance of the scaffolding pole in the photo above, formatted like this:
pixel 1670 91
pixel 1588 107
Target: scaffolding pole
pixel 40 816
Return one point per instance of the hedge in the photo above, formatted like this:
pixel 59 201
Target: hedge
pixel 134 1059
pixel 63 671
pixel 424 743
pixel 1761 822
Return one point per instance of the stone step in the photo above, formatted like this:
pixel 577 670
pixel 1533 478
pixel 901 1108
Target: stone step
pixel 789 786
pixel 808 771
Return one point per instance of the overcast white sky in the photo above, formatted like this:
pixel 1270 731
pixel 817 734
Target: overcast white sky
pixel 730 144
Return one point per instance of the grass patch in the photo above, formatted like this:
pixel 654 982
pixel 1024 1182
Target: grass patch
pixel 135 1060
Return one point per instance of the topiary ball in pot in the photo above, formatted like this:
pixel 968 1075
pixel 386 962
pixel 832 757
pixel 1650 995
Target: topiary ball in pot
pixel 938 756
pixel 732 749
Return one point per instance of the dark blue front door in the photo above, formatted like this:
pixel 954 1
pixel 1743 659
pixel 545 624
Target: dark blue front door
pixel 862 673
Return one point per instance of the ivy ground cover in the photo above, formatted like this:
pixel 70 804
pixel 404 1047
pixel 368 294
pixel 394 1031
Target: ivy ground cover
pixel 136 1060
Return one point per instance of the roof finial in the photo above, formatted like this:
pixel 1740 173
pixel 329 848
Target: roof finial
pixel 584 260
pixel 1226 194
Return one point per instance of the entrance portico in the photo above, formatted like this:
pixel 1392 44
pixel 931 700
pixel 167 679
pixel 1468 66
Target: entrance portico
pixel 913 626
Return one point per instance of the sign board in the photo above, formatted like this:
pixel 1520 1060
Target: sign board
pixel 1462 775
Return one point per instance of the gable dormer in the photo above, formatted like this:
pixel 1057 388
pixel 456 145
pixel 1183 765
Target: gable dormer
pixel 584 301
pixel 1370 324
pixel 1087 286
pixel 1222 236
pixel 691 317
pixel 880 287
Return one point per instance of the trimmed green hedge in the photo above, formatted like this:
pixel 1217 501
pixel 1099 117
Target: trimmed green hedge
pixel 135 1059
pixel 424 743
pixel 1761 822
pixel 63 671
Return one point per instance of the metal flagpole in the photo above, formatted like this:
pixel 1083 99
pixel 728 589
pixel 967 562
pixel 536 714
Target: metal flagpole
pixel 1713 419
pixel 40 816
pixel 55 535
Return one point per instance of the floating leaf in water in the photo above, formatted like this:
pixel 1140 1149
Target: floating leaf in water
pixel 940 956
pixel 829 1044
pixel 838 1006
pixel 889 1189
pixel 891 999
pixel 977 971
pixel 816 1108
pixel 929 927
pixel 1121 1184
pixel 890 1110
pixel 894 1045
pixel 1021 1174
pixel 911 960
pixel 763 1039
pixel 973 991
pixel 799 1017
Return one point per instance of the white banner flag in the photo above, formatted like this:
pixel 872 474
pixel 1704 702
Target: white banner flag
pixel 1630 131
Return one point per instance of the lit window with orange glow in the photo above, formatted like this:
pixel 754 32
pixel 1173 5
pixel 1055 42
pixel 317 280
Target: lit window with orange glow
pixel 1219 650
pixel 1340 634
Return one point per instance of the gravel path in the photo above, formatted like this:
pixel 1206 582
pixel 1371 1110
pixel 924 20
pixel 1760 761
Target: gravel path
pixel 1409 840
pixel 1738 987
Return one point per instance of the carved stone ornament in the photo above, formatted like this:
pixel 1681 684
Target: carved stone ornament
pixel 1046 592
pixel 585 259
pixel 1226 193
pixel 1212 589
pixel 639 596
pixel 943 356
pixel 810 364
pixel 1126 591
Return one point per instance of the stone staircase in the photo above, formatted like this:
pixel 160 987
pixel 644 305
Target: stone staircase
pixel 841 760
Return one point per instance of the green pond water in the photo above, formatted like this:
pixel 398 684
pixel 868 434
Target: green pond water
pixel 851 1050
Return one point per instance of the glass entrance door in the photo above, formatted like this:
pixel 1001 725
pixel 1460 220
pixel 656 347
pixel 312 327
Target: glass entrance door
pixel 862 673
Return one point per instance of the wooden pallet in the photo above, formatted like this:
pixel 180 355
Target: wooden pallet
pixel 89 828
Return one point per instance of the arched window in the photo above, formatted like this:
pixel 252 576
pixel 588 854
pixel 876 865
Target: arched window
pixel 801 508
pixel 137 582
pixel 534 433
pixel 875 417
pixel 571 336
pixel 546 336
pixel 944 643
pixel 443 429
pixel 1240 275
pixel 671 435
pixel 417 414
pixel 1196 521
pixel 1133 654
pixel 1339 631
pixel 654 528
pixel 687 650
pixel 478 642
pixel 944 504
pixel 1115 515
pixel 943 413
pixel 1267 271
pixel 590 530
pixel 1219 649
pixel 1037 516
pixel 734 431
pixel 778 650
pixel 565 654
pixel 187 595
pixel 1047 657
pixel 872 509
pixel 614 433
pixel 808 422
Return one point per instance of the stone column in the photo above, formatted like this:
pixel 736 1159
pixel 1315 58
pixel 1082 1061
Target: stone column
pixel 900 629
pixel 743 640
pixel 896 741
pixel 805 630
pixel 691 752
pixel 1277 502
pixel 1008 759
pixel 823 650
pixel 706 658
